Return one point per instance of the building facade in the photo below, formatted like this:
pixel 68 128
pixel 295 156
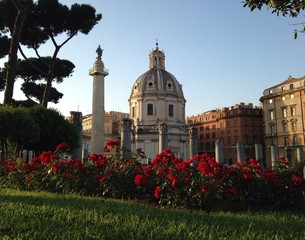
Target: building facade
pixel 157 110
pixel 284 106
pixel 241 123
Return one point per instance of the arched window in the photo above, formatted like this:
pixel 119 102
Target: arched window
pixel 150 109
pixel 171 110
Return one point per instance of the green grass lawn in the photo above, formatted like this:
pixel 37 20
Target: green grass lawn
pixel 31 215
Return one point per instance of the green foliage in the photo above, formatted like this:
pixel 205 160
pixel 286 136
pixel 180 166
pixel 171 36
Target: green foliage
pixel 34 128
pixel 46 20
pixel 17 128
pixel 34 90
pixel 283 7
pixel 290 8
pixel 53 129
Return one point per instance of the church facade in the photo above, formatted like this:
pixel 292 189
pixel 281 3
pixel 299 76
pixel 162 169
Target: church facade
pixel 157 110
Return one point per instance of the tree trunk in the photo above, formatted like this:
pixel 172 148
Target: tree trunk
pixel 47 89
pixel 12 56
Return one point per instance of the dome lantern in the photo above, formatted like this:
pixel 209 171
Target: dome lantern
pixel 157 59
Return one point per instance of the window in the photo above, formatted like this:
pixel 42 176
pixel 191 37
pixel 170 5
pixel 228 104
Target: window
pixel 201 128
pixel 284 112
pixel 285 127
pixel 171 110
pixel 208 146
pixel 283 98
pixel 270 91
pixel 291 95
pixel 201 137
pixel 213 135
pixel 246 140
pixel 293 126
pixel 150 109
pixel 207 136
pixel 283 88
pixel 207 128
pixel 271 100
pixel 213 127
pixel 221 125
pixel 235 122
pixel 291 86
pixel 295 141
pixel 286 141
pixel 272 129
pixel 201 146
pixel 273 141
pixel 229 140
pixel 228 123
pixel 213 145
pixel 271 114
pixel 133 111
pixel 292 110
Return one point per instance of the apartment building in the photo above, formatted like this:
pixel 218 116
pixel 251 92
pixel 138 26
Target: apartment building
pixel 242 123
pixel 283 106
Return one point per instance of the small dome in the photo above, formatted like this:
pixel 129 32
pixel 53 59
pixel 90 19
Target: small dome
pixel 157 81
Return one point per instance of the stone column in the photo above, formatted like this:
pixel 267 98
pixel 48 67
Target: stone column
pixel 85 156
pixel 193 145
pixel 125 138
pixel 300 155
pixel 259 154
pixel 274 155
pixel 240 152
pixel 163 136
pixel 98 112
pixel 76 119
pixel 219 150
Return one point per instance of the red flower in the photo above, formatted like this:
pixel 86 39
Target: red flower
pixel 113 143
pixel 140 179
pixel 46 157
pixel 64 147
pixel 157 192
pixel 103 179
pixel 204 188
pixel 173 178
pixel 232 191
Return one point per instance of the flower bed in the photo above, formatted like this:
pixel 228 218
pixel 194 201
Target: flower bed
pixel 198 183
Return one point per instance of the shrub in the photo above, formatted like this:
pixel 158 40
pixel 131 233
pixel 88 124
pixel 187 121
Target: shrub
pixel 198 183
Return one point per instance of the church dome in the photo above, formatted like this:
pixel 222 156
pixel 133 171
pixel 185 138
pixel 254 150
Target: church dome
pixel 157 80
pixel 157 95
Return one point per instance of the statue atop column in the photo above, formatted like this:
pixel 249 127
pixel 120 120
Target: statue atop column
pixel 99 52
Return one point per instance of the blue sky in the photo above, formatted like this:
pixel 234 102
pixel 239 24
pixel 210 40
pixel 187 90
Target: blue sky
pixel 220 52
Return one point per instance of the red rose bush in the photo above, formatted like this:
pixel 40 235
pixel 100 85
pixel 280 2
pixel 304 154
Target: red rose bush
pixel 198 183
